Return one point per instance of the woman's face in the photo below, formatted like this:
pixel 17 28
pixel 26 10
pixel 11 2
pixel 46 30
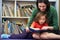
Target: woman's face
pixel 42 6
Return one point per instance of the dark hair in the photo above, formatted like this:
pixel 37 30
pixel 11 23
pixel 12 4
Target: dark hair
pixel 43 1
pixel 39 14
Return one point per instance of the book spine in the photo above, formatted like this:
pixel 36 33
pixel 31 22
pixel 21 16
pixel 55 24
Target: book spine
pixel 6 27
pixel 28 12
pixel 19 13
pixel 11 14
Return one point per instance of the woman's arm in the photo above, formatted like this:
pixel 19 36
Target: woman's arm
pixel 55 19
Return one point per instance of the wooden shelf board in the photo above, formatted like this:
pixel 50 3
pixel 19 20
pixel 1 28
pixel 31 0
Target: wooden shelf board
pixel 13 17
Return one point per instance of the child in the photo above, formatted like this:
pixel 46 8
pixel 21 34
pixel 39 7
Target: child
pixel 41 23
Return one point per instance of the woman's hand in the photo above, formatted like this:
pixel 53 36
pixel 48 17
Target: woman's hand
pixel 47 28
pixel 44 28
pixel 50 28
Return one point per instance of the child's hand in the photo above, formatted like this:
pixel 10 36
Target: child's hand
pixel 27 29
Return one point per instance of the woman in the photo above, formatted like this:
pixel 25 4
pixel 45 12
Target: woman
pixel 44 6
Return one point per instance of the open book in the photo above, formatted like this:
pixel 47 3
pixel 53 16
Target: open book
pixel 39 31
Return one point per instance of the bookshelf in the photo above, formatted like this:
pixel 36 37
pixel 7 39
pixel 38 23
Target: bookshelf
pixel 18 12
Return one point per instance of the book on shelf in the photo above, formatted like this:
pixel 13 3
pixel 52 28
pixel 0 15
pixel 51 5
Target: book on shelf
pixel 18 10
pixel 2 28
pixel 9 27
pixel 28 6
pixel 21 27
pixel 28 11
pixel 19 30
pixel 3 13
pixel 25 12
pixel 6 27
pixel 14 28
pixel 19 13
pixel 10 11
pixel 22 12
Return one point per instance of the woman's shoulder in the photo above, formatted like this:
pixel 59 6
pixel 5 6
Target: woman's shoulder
pixel 35 10
pixel 52 8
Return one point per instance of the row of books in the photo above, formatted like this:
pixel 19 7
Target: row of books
pixel 7 11
pixel 12 28
pixel 21 11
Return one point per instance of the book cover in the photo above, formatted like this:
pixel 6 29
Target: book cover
pixel 32 30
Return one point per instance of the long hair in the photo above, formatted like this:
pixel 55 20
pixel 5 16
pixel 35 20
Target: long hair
pixel 39 14
pixel 43 1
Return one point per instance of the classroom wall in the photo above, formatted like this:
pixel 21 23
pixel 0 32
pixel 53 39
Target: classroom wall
pixel 0 15
pixel 59 14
